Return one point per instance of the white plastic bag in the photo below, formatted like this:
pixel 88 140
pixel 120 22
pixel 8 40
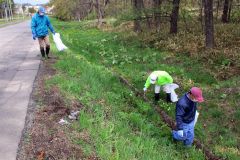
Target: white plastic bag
pixel 58 42
pixel 174 96
pixel 63 122
pixel 196 117
pixel 170 88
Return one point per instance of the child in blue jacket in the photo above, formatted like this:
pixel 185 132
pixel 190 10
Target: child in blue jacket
pixel 40 25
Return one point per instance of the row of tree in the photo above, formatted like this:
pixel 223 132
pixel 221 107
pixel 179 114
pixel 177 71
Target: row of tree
pixel 149 14
pixel 6 9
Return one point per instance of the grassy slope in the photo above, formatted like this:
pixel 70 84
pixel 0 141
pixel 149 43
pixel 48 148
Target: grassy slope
pixel 4 23
pixel 122 126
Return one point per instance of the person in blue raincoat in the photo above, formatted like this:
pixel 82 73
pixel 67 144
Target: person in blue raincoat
pixel 40 24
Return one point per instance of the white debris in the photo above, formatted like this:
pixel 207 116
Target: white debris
pixel 76 113
pixel 63 122
pixel 72 117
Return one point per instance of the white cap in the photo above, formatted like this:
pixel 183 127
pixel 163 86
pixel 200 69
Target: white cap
pixel 153 78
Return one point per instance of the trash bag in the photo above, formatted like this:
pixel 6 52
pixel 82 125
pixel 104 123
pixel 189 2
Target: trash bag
pixel 174 96
pixel 167 88
pixel 58 42
pixel 170 88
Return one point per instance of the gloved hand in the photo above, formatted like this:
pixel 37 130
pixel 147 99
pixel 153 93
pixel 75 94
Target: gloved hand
pixel 180 133
pixel 145 89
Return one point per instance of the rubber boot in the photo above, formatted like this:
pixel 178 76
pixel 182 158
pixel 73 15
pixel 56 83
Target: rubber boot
pixel 168 98
pixel 157 97
pixel 47 51
pixel 42 52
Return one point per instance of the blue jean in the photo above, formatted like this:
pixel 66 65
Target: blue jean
pixel 188 134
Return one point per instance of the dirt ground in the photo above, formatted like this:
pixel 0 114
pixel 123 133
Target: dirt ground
pixel 43 137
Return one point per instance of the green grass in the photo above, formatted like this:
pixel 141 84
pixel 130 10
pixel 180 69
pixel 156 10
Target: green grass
pixel 122 126
pixel 3 22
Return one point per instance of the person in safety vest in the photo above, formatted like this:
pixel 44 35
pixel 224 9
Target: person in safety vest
pixel 161 78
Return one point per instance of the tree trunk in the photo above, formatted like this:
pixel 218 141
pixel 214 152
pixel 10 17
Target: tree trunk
pixel 6 14
pixel 209 28
pixel 157 14
pixel 148 22
pixel 6 10
pixel 10 7
pixel 201 3
pixel 174 17
pixel 229 11
pixel 9 10
pixel 99 13
pixel 225 11
pixel 218 4
pixel 137 7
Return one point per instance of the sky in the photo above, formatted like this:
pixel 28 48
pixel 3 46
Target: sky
pixel 32 1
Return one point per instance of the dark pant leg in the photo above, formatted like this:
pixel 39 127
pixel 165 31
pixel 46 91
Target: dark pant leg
pixel 42 51
pixel 47 51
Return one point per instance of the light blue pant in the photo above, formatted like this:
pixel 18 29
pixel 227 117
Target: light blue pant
pixel 188 134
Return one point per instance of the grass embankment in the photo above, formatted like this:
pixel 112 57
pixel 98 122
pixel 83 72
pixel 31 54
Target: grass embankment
pixel 120 125
pixel 3 22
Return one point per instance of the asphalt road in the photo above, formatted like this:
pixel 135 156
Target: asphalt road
pixel 19 64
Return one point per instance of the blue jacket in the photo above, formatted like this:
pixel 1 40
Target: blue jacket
pixel 185 111
pixel 40 25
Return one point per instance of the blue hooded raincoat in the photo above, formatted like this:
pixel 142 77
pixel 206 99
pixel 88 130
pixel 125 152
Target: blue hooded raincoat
pixel 40 25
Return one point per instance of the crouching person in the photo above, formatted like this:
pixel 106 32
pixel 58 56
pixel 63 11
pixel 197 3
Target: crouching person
pixel 161 79
pixel 186 116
